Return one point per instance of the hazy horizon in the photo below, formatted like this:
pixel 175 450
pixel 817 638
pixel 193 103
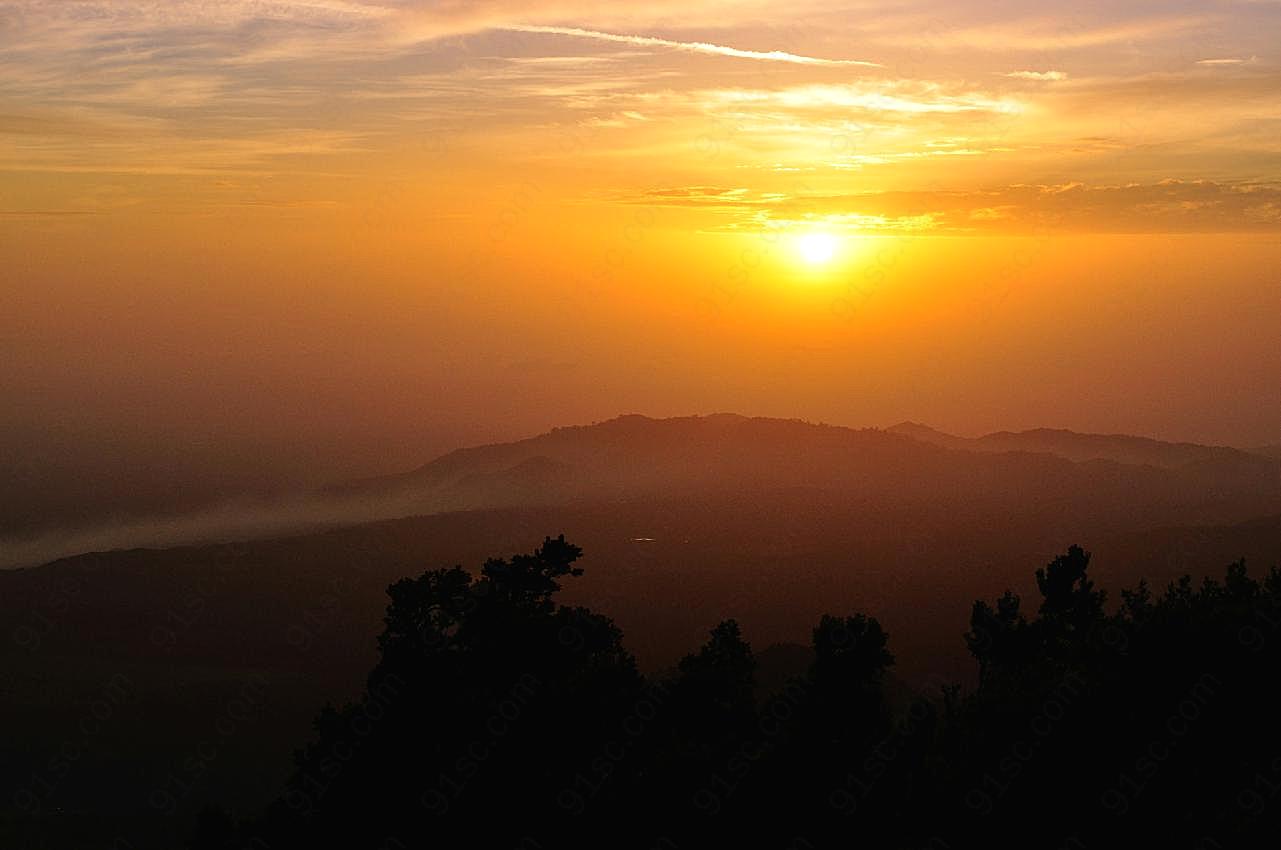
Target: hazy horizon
pixel 287 508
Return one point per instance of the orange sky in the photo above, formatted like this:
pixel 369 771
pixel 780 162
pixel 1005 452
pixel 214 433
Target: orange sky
pixel 316 236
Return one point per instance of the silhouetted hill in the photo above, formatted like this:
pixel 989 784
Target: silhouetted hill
pixel 1268 451
pixel 638 457
pixel 632 455
pixel 635 457
pixel 926 434
pixel 1121 448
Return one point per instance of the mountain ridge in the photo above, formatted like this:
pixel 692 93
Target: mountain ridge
pixel 637 452
pixel 640 457
pixel 1081 446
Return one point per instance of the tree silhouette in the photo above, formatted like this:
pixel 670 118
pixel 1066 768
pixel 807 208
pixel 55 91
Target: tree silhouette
pixel 485 690
pixel 1068 595
pixel 496 717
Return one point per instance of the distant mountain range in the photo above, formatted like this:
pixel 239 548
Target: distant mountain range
pixel 636 457
pixel 1142 480
pixel 1071 445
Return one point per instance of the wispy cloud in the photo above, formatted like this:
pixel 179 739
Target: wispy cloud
pixel 188 86
pixel 1052 76
pixel 874 96
pixel 1049 33
pixel 1166 206
pixel 693 46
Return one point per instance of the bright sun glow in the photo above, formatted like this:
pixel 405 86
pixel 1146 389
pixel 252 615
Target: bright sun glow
pixel 817 248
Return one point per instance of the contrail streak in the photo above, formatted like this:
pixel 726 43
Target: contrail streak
pixel 693 46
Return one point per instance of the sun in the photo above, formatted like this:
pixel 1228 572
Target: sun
pixel 817 248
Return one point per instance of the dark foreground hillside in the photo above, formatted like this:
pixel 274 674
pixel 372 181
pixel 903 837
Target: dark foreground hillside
pixel 141 688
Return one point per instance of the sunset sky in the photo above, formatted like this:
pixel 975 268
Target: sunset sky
pixel 302 239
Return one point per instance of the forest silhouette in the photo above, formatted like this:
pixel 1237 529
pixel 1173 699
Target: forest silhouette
pixel 498 717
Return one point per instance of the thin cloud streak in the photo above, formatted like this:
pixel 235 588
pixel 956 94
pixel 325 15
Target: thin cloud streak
pixel 1167 206
pixel 1050 76
pixel 693 46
